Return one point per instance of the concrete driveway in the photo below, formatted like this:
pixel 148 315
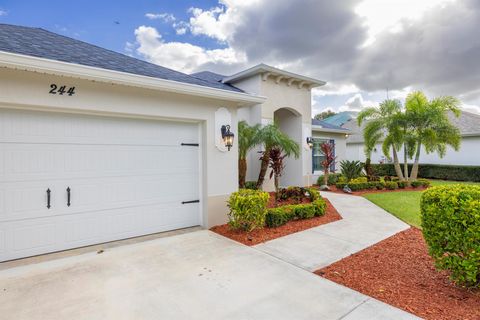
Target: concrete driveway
pixel 198 275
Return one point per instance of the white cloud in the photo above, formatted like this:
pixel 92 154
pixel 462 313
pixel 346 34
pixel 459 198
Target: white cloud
pixel 219 22
pixel 179 55
pixel 3 12
pixel 382 15
pixel 165 17
pixel 181 27
pixel 357 103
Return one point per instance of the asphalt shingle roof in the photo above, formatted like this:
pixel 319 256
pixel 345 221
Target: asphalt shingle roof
pixel 213 77
pixel 41 43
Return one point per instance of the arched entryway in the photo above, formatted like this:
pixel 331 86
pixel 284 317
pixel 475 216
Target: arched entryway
pixel 290 123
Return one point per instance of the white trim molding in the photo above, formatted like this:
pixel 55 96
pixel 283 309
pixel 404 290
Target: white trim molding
pixel 47 66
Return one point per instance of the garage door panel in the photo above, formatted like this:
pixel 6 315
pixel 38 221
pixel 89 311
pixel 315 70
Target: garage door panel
pixel 127 178
pixel 43 127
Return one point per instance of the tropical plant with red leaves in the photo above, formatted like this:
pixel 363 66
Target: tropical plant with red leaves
pixel 328 151
pixel 276 164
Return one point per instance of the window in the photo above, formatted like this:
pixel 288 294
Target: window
pixel 318 156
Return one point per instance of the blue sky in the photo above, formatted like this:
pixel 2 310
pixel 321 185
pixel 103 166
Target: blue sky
pixel 360 47
pixel 95 21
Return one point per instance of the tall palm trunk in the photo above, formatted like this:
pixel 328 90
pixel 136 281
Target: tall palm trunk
pixel 396 164
pixel 242 172
pixel 414 173
pixel 263 168
pixel 405 162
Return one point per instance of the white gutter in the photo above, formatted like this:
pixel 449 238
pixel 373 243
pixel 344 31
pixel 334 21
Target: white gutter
pixel 54 67
pixel 322 129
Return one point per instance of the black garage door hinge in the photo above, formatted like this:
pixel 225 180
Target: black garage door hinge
pixel 191 201
pixel 189 144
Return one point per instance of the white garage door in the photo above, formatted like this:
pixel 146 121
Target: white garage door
pixel 127 177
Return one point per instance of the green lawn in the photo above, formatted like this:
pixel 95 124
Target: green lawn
pixel 406 205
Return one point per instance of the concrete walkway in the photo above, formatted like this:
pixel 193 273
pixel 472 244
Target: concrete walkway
pixel 199 275
pixel 363 225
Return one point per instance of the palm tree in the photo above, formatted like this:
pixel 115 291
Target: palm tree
pixel 384 122
pixel 247 139
pixel 430 126
pixel 271 137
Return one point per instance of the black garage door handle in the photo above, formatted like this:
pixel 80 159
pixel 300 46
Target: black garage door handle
pixel 191 201
pixel 68 196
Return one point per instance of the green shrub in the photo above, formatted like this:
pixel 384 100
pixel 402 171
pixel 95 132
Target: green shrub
pixel 332 179
pixel 434 171
pixel 416 183
pixel 380 185
pixel 313 194
pixel 252 185
pixel 342 179
pixel 372 184
pixel 303 211
pixel 320 206
pixel 277 217
pixel 359 180
pixel 391 185
pixel 451 227
pixel 351 169
pixel 358 186
pixel 424 182
pixel 402 184
pixel 340 185
pixel 247 209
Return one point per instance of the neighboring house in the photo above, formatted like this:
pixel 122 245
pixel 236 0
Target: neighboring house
pixel 98 146
pixel 468 123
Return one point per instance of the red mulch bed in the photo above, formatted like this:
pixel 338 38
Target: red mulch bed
pixel 265 234
pixel 400 272
pixel 362 192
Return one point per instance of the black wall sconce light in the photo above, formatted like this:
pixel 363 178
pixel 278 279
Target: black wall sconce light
pixel 310 142
pixel 227 136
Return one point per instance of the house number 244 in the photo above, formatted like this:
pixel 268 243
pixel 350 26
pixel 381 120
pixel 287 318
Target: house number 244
pixel 54 89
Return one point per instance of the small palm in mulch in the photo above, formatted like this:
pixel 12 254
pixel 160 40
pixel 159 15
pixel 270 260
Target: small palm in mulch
pixel 400 272
pixel 265 234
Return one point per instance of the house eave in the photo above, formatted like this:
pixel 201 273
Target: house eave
pixel 54 67
pixel 322 129
pixel 268 71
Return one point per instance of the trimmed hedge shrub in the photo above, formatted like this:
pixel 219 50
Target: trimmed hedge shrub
pixel 279 216
pixel 451 227
pixel 320 206
pixel 304 211
pixel 313 194
pixel 402 184
pixel 391 185
pixel 434 171
pixel 247 209
pixel 420 183
pixel 332 179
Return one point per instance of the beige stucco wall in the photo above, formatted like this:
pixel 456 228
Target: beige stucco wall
pixel 28 90
pixel 280 96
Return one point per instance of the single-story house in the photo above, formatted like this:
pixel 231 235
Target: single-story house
pixel 468 123
pixel 97 146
